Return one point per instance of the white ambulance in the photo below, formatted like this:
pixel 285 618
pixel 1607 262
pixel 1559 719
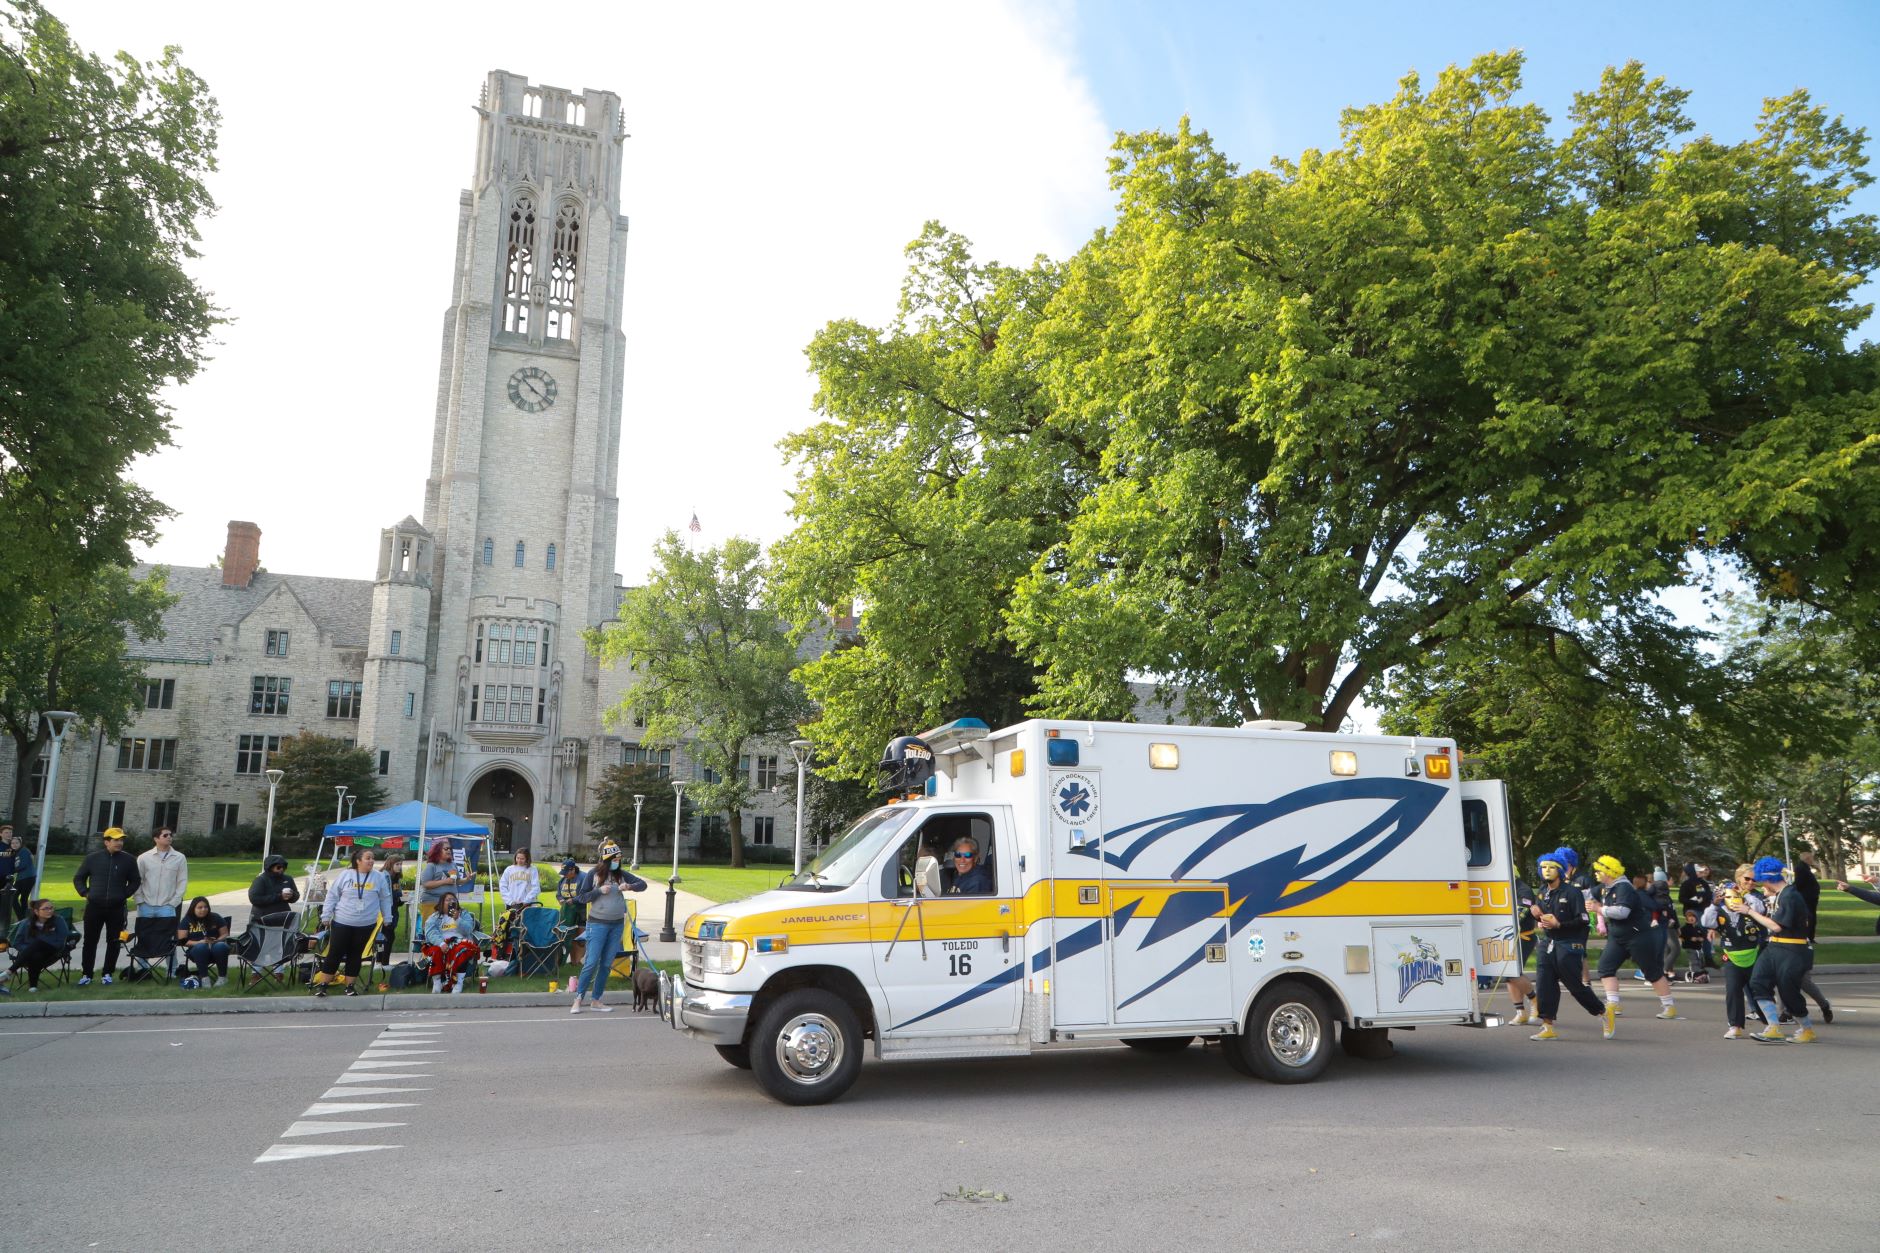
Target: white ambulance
pixel 1070 881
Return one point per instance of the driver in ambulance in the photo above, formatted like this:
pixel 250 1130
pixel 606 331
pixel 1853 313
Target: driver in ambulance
pixel 969 877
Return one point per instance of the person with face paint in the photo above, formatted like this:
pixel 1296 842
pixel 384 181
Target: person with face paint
pixel 602 891
pixel 1561 913
pixel 1785 960
pixel 1630 936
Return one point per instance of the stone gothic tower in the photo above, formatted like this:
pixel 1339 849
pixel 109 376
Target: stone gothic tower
pixel 396 676
pixel 519 509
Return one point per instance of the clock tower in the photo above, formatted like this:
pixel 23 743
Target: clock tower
pixel 520 507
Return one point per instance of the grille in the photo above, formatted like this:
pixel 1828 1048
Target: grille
pixel 694 961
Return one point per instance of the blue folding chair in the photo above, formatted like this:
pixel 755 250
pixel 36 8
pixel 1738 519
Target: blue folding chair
pixel 541 944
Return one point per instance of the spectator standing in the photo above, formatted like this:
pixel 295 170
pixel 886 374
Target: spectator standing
pixel 1665 918
pixel 106 880
pixel 9 867
pixel 1561 912
pixel 1691 934
pixel 450 941
pixel 357 904
pixel 1809 886
pixel 1731 918
pixel 1784 961
pixel 203 935
pixel 272 895
pixel 1697 894
pixel 164 876
pixel 25 874
pixel 38 940
pixel 573 912
pixel 521 884
pixel 439 875
pixel 603 890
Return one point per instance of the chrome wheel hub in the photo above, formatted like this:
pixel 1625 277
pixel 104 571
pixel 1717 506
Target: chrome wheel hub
pixel 808 1048
pixel 1292 1034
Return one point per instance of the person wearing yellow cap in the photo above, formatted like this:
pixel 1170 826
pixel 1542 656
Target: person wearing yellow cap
pixel 106 879
pixel 1629 937
pixel 1561 913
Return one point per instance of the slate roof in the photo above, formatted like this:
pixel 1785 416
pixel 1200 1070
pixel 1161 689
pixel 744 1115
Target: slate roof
pixel 341 607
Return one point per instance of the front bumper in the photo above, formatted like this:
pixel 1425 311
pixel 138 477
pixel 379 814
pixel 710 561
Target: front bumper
pixel 715 1017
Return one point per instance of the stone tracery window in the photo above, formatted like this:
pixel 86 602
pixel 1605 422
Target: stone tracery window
pixel 520 272
pixel 563 266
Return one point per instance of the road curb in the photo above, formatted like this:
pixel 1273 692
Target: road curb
pixel 414 1002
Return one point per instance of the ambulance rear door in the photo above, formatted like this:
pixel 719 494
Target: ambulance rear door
pixel 1495 950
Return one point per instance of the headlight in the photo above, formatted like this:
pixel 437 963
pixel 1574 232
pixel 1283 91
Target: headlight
pixel 721 957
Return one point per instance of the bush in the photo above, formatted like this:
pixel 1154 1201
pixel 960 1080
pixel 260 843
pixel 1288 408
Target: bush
pixel 244 839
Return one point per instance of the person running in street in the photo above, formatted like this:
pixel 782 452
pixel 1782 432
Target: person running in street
pixel 1809 886
pixel 602 890
pixel 1785 960
pixel 105 880
pixel 1629 936
pixel 1561 913
pixel 356 905
pixel 1731 919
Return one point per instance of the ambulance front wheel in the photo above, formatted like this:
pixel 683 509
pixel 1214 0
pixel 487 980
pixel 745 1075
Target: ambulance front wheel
pixel 1289 1034
pixel 735 1054
pixel 807 1047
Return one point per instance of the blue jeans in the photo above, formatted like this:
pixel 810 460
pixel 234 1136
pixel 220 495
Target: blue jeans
pixel 603 942
pixel 156 911
pixel 209 957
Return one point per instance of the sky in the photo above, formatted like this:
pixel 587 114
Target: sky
pixel 781 158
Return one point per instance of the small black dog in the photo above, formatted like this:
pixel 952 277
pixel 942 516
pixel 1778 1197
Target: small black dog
pixel 645 989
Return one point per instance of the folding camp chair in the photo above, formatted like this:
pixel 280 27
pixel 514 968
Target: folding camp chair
pixel 151 953
pixel 61 973
pixel 267 951
pixel 541 944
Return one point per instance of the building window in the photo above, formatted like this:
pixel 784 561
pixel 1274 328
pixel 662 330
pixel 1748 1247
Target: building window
pixel 541 705
pixel 521 554
pixel 343 698
pixel 398 642
pixel 268 695
pixel 489 551
pixel 545 631
pixel 764 831
pixel 525 645
pixel 36 786
pixel 163 816
pixel 385 761
pixel 473 702
pixel 252 753
pixel 110 814
pixel 519 271
pixel 710 774
pixel 159 693
pixel 766 773
pixel 660 759
pixel 564 263
pixel 551 556
pixel 479 643
pixel 277 644
pixel 224 815
pixel 411 704
pixel 138 753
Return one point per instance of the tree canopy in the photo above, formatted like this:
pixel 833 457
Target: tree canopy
pixel 712 663
pixel 1272 435
pixel 312 767
pixel 101 189
pixel 612 813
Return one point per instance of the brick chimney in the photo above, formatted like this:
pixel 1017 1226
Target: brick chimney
pixel 243 554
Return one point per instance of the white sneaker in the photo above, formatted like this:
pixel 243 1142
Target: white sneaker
pixel 106 981
pixel 1734 1033
pixel 575 1008
pixel 84 981
pixel 599 1008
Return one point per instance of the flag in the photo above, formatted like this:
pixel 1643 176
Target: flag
pixel 694 527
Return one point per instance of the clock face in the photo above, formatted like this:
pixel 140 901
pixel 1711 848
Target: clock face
pixel 532 389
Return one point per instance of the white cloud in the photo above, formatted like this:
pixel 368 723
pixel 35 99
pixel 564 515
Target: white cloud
pixel 781 157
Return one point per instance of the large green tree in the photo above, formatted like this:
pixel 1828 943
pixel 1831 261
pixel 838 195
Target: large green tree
pixel 102 167
pixel 612 813
pixel 70 647
pixel 713 665
pixel 1273 434
pixel 312 767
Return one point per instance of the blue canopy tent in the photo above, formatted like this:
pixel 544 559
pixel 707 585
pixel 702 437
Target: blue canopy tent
pixel 409 829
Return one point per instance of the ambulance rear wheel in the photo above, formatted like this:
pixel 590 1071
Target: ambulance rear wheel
pixel 1161 1043
pixel 807 1048
pixel 1289 1034
pixel 735 1054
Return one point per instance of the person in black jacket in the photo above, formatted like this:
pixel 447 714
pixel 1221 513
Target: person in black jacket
pixel 1866 894
pixel 1809 886
pixel 272 895
pixel 1696 895
pixel 106 880
pixel 1561 912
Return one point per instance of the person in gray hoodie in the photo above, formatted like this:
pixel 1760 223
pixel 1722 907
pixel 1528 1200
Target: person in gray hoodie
pixel 358 903
pixel 602 890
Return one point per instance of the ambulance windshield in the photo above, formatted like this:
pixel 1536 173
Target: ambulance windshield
pixel 849 858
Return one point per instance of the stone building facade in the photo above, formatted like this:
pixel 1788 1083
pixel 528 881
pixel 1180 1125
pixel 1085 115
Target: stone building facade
pixel 468 638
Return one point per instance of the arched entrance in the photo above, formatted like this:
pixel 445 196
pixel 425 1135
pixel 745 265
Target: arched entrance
pixel 507 796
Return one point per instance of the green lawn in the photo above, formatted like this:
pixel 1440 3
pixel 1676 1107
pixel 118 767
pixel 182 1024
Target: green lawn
pixel 170 991
pixel 715 883
pixel 1842 914
pixel 207 876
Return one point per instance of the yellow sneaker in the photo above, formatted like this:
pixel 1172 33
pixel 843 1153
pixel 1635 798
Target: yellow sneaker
pixel 1806 1036
pixel 1609 1021
pixel 1520 1018
pixel 1669 1011
pixel 1546 1032
pixel 1771 1034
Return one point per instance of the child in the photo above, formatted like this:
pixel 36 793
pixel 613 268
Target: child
pixel 1691 936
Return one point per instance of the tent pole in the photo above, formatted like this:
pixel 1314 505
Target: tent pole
pixel 417 861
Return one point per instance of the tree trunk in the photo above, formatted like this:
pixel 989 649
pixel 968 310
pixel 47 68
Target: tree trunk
pixel 737 839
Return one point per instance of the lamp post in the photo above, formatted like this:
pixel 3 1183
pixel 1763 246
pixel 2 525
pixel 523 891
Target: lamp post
pixel 56 720
pixel 800 750
pixel 639 799
pixel 339 802
pixel 350 802
pixel 666 933
pixel 267 835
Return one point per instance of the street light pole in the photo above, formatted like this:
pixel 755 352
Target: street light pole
pixel 666 934
pixel 339 802
pixel 350 802
pixel 55 719
pixel 639 799
pixel 800 750
pixel 267 835
pixel 1782 809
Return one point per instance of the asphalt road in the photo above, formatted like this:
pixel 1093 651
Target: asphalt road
pixel 532 1129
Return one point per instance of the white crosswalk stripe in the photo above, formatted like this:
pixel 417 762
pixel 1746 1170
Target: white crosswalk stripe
pixel 324 1128
pixel 294 1152
pixel 388 1058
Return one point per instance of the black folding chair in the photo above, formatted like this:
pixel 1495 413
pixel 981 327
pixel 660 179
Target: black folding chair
pixel 62 972
pixel 152 950
pixel 267 951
